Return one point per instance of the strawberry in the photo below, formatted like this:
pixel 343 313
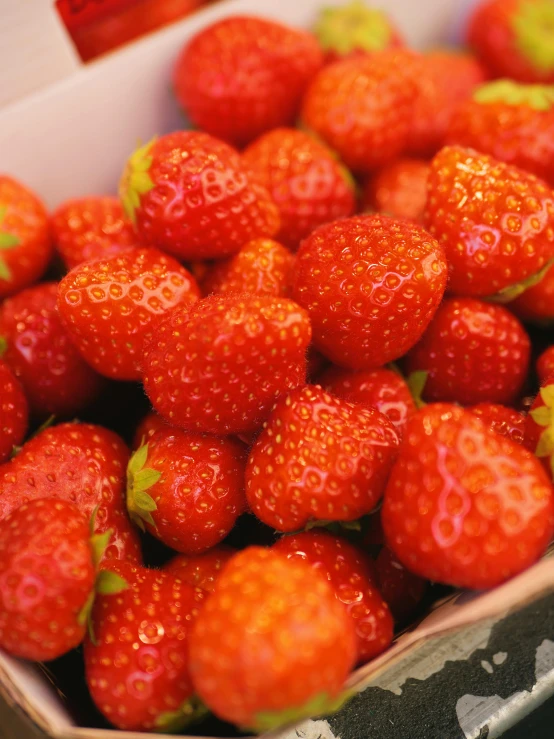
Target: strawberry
pixel 47 574
pixel 318 458
pixel 495 240
pixel 187 489
pixel 352 577
pixel 261 267
pixel 465 506
pixel 81 464
pixel 539 426
pixel 402 591
pixel 111 306
pixel 473 352
pixel 370 285
pixel 514 38
pixel 88 228
pixel 362 107
pixel 545 364
pixel 511 122
pixel 355 29
pixel 201 570
pixel 505 421
pixel 14 412
pixel 25 243
pixel 382 389
pixel 137 666
pixel 243 75
pixel 272 643
pixel 398 189
pixel 189 194
pixel 536 303
pixel 219 367
pixel 39 350
pixel 147 428
pixel 307 183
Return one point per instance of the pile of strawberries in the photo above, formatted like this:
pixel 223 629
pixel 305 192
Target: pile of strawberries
pixel 331 325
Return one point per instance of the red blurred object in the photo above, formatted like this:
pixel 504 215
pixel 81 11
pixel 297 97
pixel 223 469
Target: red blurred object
pixel 99 26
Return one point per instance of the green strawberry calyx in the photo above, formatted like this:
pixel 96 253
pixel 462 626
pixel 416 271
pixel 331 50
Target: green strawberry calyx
pixel 544 417
pixel 135 180
pixel 533 27
pixel 353 27
pixel 319 705
pixel 416 382
pixel 140 504
pixel 538 97
pixel 7 241
pixel 172 722
pixel 507 294
pixel 335 527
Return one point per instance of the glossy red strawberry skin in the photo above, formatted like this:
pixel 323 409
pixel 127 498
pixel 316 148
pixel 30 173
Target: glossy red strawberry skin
pixel 151 423
pixel 272 636
pixel 352 577
pixel 402 591
pixel 474 352
pixel 370 284
pixel 47 574
pixel 110 307
pixel 244 75
pixel 381 389
pixel 304 178
pixel 261 267
pixel 14 412
pixel 200 491
pixel 398 189
pixel 201 570
pixel 318 458
pixel 362 107
pixel 81 464
pixel 505 421
pixel 536 304
pixel 138 671
pixel 490 242
pixel 219 367
pixel 465 506
pixel 54 376
pixel 24 220
pixel 200 202
pixel 545 364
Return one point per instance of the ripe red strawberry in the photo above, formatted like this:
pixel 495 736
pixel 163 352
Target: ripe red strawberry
pixel 545 364
pixel 465 506
pixel 243 75
pixel 513 38
pixel 511 122
pixel 355 29
pixel 505 421
pixel 39 350
pixel 382 389
pixel 137 668
pixel 189 194
pixel 495 221
pixel 201 570
pixel 399 190
pixel 112 306
pixel 14 412
pixel 318 458
pixel 402 591
pixel 219 367
pixel 370 285
pixel 187 489
pixel 473 352
pixel 272 644
pixel 307 183
pixel 539 426
pixel 88 228
pixel 362 107
pixel 25 243
pixel 147 428
pixel 352 577
pixel 443 80
pixel 81 464
pixel 47 574
pixel 261 267
pixel 536 303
